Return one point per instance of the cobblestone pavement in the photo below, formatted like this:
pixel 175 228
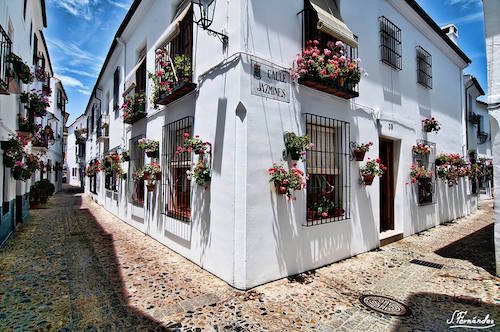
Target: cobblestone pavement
pixel 75 267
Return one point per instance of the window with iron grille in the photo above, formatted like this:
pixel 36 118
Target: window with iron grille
pixel 5 49
pixel 328 166
pixel 390 44
pixel 116 92
pixel 424 67
pixel 136 163
pixel 175 182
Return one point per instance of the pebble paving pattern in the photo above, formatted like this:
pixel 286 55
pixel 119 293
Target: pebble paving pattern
pixel 75 267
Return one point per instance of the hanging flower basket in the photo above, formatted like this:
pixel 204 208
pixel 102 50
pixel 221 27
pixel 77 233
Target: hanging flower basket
pixel 368 179
pixel 360 150
pixel 297 146
pixel 430 125
pixel 151 186
pixel 134 108
pixel 372 169
pixel 359 154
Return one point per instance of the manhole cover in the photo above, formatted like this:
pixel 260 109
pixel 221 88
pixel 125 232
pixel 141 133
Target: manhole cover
pixel 385 305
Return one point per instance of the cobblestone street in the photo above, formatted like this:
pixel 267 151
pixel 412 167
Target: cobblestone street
pixel 74 267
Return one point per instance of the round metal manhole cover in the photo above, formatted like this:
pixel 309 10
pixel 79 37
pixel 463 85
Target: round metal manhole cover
pixel 385 305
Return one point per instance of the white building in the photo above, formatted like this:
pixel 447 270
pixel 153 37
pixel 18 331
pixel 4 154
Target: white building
pixel 478 134
pixel 21 33
pixel 241 101
pixel 75 152
pixel 492 30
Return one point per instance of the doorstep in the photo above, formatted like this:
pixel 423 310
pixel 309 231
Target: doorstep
pixel 388 237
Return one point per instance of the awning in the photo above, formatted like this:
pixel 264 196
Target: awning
pixel 330 22
pixel 130 82
pixel 174 28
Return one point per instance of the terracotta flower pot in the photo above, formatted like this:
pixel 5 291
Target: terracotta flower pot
pixel 368 179
pixel 280 188
pixel 35 205
pixel 341 81
pixel 151 187
pixel 359 154
pixel 152 154
pixel 294 154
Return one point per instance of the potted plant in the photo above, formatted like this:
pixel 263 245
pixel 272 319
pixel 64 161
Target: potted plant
pixel 22 70
pixel 193 144
pixel 200 173
pixel 361 150
pixel 371 169
pixel 47 189
pixel 297 146
pixel 20 171
pixel 430 125
pixel 323 208
pixel 151 184
pixel 183 67
pixel 286 182
pixel 330 66
pixel 419 173
pixel 125 156
pixel 151 147
pixel 38 102
pixel 13 150
pixel 32 162
pixel 134 108
pixel 152 171
pixel 421 149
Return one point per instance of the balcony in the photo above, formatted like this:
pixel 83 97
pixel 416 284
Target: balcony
pixel 482 137
pixel 102 131
pixel 342 90
pixel 179 90
pixel 5 48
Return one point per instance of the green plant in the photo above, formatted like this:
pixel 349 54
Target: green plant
pixel 149 146
pixel 431 125
pixel 13 150
pixel 134 108
pixel 373 168
pixel 287 181
pixel 152 171
pixel 418 172
pixel 200 173
pixel 297 146
pixel 20 171
pixel 193 144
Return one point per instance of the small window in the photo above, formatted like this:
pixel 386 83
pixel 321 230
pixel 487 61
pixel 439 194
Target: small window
pixel 31 32
pixel 116 92
pixel 136 162
pixel 176 184
pixel 328 166
pixel 390 44
pixel 24 8
pixel 424 67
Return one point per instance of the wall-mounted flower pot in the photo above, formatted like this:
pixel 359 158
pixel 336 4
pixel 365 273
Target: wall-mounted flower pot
pixel 151 187
pixel 280 189
pixel 152 154
pixel 359 154
pixel 368 179
pixel 294 154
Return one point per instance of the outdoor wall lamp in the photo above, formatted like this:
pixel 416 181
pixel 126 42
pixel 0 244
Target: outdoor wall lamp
pixel 204 11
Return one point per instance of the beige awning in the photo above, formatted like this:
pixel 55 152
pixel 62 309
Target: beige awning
pixel 330 22
pixel 174 28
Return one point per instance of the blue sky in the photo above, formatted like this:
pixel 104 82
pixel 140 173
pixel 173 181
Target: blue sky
pixel 78 36
pixel 80 32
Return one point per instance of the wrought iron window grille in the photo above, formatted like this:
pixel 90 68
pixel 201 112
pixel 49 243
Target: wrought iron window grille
pixel 390 44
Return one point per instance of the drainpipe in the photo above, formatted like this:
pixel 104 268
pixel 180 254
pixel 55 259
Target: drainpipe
pixel 124 46
pixel 467 110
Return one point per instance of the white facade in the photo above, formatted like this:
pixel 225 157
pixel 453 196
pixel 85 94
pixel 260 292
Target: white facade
pixel 23 23
pixel 492 31
pixel 239 228
pixel 75 152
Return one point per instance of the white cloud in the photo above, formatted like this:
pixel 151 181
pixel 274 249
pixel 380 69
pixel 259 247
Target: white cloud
pixel 469 18
pixel 71 82
pixel 80 8
pixel 77 72
pixel 464 3
pixel 84 92
pixel 122 5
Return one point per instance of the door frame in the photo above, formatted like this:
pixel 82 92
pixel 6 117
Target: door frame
pixel 391 173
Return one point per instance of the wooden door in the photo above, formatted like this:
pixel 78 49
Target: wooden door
pixel 387 186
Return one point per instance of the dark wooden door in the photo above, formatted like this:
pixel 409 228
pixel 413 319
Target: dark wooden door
pixel 387 186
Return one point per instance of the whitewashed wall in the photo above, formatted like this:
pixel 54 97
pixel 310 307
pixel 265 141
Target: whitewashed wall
pixel 240 230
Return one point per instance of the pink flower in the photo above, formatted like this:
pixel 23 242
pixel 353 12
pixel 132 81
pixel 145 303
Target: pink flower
pixel 339 44
pixel 324 214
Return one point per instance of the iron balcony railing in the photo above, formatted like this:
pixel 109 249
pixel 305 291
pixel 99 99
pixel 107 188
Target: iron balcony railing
pixel 5 49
